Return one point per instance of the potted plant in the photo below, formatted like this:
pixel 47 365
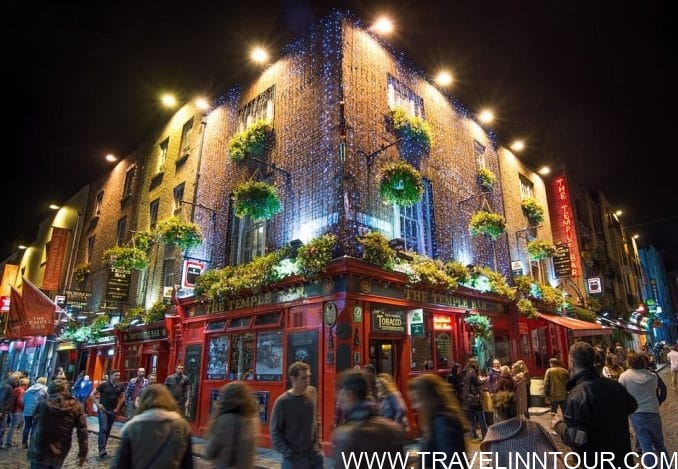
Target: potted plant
pixel 249 142
pixel 486 179
pixel 126 258
pixel 533 210
pixel 143 240
pixel 174 230
pixel 376 250
pixel 480 325
pixel 401 184
pixel 538 249
pixel 411 129
pixel 487 223
pixel 81 272
pixel 257 200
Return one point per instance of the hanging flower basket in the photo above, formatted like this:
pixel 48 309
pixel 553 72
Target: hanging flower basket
pixel 249 142
pixel 487 223
pixel 81 272
pixel 412 129
pixel 401 184
pixel 480 325
pixel 526 308
pixel 184 234
pixel 143 240
pixel 532 209
pixel 257 200
pixel 314 256
pixel 125 258
pixel 486 179
pixel 538 249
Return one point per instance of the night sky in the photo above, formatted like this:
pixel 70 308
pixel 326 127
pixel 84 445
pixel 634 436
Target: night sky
pixel 585 83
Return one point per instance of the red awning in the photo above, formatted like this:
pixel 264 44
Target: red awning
pixel 579 328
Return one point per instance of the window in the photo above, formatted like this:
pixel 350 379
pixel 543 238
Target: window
pixel 98 203
pixel 401 96
pixel 153 213
pixel 251 240
pixel 268 366
pixel 260 108
pixel 120 234
pixel 272 319
pixel 178 197
pixel 131 364
pixel 479 152
pixel 168 272
pixel 186 133
pixel 217 358
pixel 162 156
pixel 242 356
pixel 129 182
pixel 90 248
pixel 526 188
pixel 414 224
pixel 240 323
pixel 443 348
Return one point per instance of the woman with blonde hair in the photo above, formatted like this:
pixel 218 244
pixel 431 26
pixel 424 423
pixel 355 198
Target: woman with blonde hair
pixel 391 402
pixel 440 419
pixel 234 429
pixel 157 436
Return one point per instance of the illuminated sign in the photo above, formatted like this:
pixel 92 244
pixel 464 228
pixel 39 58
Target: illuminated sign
pixel 442 323
pixel 563 223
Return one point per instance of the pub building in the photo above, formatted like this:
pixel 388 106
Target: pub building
pixel 354 314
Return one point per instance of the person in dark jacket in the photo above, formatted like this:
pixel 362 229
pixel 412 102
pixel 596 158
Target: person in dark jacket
pixel 363 432
pixel 440 419
pixel 454 379
pixel 596 411
pixel 54 420
pixel 7 402
pixel 471 398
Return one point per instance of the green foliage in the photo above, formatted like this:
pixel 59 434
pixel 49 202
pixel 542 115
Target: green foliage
pixel 313 256
pixel 523 284
pixel 411 128
pixel 533 210
pixel 582 313
pixel 126 258
pixel 184 234
pixel 457 271
pixel 376 250
pixel 433 273
pixel 143 240
pixel 156 313
pixel 84 334
pixel 486 279
pixel 400 184
pixel 257 200
pixel 526 308
pixel 538 249
pixel 550 296
pixel 249 142
pixel 487 223
pixel 480 325
pixel 486 179
pixel 81 272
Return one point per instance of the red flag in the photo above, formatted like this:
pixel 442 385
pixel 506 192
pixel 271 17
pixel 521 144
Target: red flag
pixel 39 311
pixel 16 317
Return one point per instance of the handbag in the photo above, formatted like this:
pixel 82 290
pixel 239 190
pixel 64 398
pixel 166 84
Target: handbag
pixel 486 398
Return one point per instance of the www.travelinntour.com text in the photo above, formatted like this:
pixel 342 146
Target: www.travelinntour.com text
pixel 485 460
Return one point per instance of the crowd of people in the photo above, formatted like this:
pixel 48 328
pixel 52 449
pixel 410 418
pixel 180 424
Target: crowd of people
pixel 592 404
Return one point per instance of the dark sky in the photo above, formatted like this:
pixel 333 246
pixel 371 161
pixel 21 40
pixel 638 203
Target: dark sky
pixel 586 83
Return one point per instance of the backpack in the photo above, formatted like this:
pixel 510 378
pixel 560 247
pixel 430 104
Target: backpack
pixel 661 389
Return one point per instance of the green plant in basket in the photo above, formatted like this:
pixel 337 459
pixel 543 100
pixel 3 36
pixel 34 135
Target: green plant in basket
pixel 487 223
pixel 257 200
pixel 401 184
pixel 184 234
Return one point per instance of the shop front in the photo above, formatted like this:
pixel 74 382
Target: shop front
pixel 144 347
pixel 102 356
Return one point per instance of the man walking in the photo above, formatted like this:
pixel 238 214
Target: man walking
pixel 294 429
pixel 596 411
pixel 134 388
pixel 672 357
pixel 108 397
pixel 555 386
pixel 53 424
pixel 642 384
pixel 7 403
pixel 180 386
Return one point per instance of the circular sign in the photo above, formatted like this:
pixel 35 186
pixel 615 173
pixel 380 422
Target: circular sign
pixel 330 313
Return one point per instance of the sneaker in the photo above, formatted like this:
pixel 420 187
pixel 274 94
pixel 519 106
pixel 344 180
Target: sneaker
pixel 103 455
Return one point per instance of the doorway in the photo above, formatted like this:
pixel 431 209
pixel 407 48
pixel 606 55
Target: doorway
pixel 384 356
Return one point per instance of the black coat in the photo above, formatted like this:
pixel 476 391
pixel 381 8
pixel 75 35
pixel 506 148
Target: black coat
pixel 596 416
pixel 447 436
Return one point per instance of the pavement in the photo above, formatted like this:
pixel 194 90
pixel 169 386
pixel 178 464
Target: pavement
pixel 267 458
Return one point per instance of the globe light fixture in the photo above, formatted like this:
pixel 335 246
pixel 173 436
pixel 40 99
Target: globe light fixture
pixel 544 170
pixel 383 25
pixel 259 55
pixel 486 116
pixel 444 78
pixel 518 145
pixel 168 100
pixel 111 158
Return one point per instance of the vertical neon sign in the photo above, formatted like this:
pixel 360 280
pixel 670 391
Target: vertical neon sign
pixel 563 224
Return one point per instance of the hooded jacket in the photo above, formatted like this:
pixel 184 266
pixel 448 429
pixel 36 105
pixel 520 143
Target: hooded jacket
pixel 642 385
pixel 517 435
pixel 32 396
pixel 53 422
pixel 155 439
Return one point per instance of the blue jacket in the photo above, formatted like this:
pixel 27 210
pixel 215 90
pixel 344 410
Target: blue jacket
pixel 32 396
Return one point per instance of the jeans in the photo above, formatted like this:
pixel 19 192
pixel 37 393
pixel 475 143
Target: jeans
pixel 475 417
pixel 4 423
pixel 14 419
pixel 56 464
pixel 106 419
pixel 315 461
pixel 28 426
pixel 648 429
pixel 556 404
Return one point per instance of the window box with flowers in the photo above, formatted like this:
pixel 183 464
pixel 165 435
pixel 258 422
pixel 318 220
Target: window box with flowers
pixel 400 184
pixel 376 250
pixel 174 230
pixel 412 129
pixel 532 209
pixel 313 256
pixel 480 325
pixel 487 223
pixel 126 258
pixel 257 200
pixel 250 142
pixel 538 249
pixel 486 179
pixel 526 308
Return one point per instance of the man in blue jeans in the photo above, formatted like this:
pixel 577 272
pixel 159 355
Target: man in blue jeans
pixel 109 401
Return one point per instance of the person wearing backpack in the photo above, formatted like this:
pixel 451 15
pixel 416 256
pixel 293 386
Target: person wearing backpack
pixel 32 396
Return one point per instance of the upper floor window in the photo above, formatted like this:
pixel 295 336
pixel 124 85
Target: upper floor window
pixel 178 197
pixel 401 96
pixel 414 224
pixel 479 152
pixel 162 156
pixel 90 248
pixel 98 203
pixel 129 182
pixel 526 188
pixel 120 233
pixel 260 108
pixel 250 240
pixel 186 133
pixel 153 213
